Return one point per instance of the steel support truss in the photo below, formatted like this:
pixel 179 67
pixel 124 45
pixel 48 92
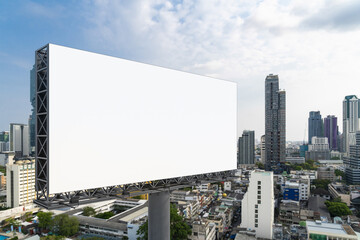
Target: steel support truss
pixel 44 199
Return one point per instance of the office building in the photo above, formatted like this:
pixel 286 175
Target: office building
pixel 275 122
pixel 315 126
pixel 246 148
pixel 351 120
pixel 318 150
pixel 20 182
pixel 32 117
pixel 331 131
pixel 19 139
pixel 258 204
pixel 352 163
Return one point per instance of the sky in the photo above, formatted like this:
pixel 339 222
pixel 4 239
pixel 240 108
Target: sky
pixel 314 47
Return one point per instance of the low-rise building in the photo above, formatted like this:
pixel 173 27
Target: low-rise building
pixel 295 160
pixel 320 230
pixel 326 173
pixel 203 231
pixel 338 190
pixel 289 213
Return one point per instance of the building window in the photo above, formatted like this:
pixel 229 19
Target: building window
pixel 256 216
pixel 259 201
pixel 256 225
pixel 256 211
pixel 259 196
pixel 259 182
pixel 259 192
pixel 259 187
pixel 256 206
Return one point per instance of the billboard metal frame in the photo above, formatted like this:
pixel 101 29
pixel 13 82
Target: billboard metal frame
pixel 47 200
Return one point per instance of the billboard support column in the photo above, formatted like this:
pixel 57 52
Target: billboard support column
pixel 159 215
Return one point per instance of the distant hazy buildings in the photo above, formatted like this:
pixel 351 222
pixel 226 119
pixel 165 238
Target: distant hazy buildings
pixel 4 136
pixel 331 131
pixel 352 163
pixel 275 122
pixel 303 149
pixel 246 148
pixel 32 117
pixel 318 150
pixel 20 182
pixel 258 204
pixel 315 125
pixel 4 141
pixel 351 120
pixel 19 139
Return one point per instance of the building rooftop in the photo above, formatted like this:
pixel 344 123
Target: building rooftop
pixel 329 229
pixel 317 204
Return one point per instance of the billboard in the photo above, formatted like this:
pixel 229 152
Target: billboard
pixel 155 123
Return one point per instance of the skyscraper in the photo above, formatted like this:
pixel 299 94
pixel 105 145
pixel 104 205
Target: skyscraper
pixel 275 122
pixel 19 139
pixel 246 148
pixel 352 162
pixel 315 125
pixel 351 120
pixel 331 132
pixel 32 117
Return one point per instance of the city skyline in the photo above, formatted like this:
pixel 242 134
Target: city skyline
pixel 309 50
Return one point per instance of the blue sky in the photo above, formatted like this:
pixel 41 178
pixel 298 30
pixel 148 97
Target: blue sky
pixel 313 46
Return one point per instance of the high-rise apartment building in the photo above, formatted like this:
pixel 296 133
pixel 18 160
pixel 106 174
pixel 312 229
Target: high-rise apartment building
pixel 351 120
pixel 32 117
pixel 331 132
pixel 19 139
pixel 352 162
pixel 20 182
pixel 258 204
pixel 275 122
pixel 315 126
pixel 246 148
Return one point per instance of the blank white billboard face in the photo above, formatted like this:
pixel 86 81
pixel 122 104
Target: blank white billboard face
pixel 113 122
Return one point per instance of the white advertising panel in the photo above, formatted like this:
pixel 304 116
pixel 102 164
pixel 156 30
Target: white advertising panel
pixel 114 121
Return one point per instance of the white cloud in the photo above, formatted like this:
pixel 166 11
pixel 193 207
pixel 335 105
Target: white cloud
pixel 241 41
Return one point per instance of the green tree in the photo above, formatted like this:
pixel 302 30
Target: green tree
pixel 104 215
pixel 297 168
pixel 260 165
pixel 65 225
pixel 321 183
pixel 179 229
pixel 335 158
pixel 338 208
pixel 12 221
pixel 45 219
pixel 339 173
pixel 89 211
pixel 52 237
